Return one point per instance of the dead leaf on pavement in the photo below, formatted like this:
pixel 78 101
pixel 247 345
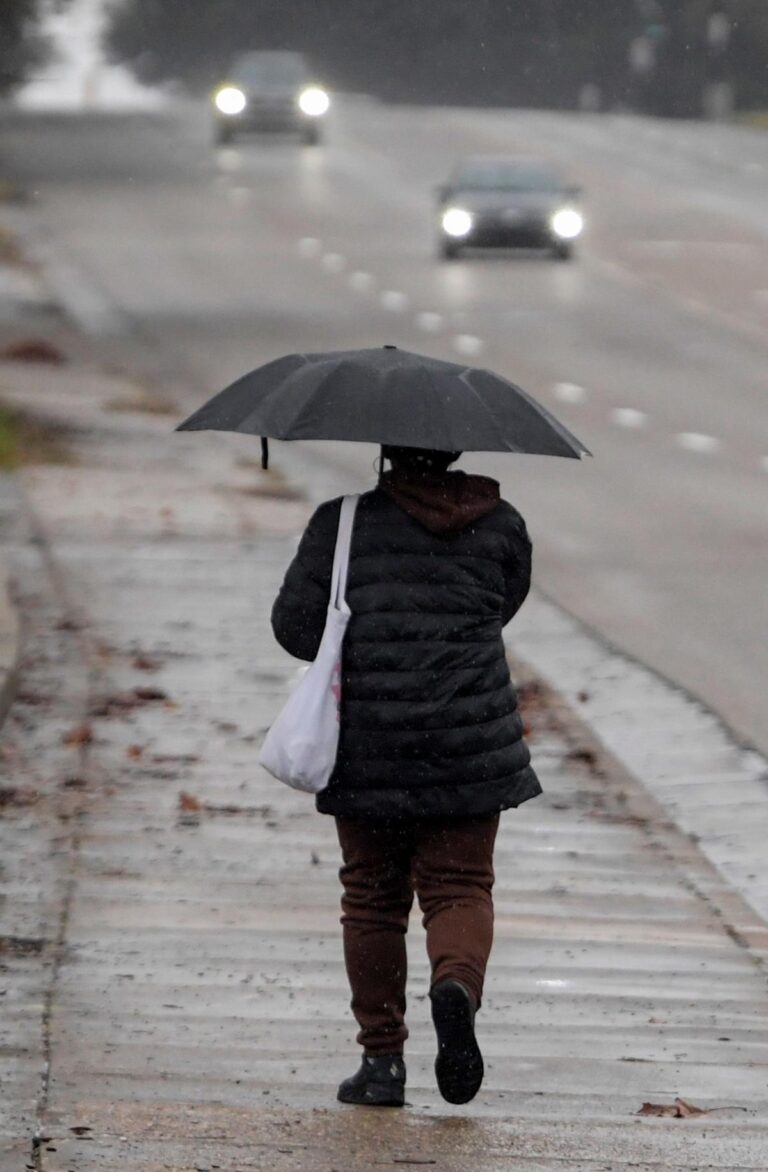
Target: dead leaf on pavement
pixel 33 350
pixel 32 699
pixel 189 803
pixel 175 758
pixel 135 752
pixel 147 694
pixel 123 702
pixel 144 662
pixel 69 624
pixel 680 1109
pixel 584 755
pixel 21 795
pixel 81 734
pixel 230 808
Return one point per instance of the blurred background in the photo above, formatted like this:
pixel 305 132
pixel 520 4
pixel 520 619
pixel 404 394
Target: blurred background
pixel 200 211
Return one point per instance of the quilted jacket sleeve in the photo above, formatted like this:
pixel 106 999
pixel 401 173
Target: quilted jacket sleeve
pixel 298 615
pixel 517 567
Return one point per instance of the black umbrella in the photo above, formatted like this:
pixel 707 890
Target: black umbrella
pixel 386 396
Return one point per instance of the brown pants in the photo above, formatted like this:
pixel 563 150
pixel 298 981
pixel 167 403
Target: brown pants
pixel 449 864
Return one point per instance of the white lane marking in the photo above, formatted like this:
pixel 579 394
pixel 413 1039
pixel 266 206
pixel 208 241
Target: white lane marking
pixel 629 417
pixel 309 246
pixel 569 392
pixel 430 323
pixel 229 160
pixel 360 281
pixel 394 301
pixel 468 344
pixel 240 197
pixel 694 441
pixel 662 247
pixel 334 262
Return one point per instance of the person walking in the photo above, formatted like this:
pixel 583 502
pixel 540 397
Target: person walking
pixel 431 746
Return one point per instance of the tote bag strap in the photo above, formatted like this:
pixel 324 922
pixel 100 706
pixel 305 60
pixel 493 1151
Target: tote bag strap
pixel 341 554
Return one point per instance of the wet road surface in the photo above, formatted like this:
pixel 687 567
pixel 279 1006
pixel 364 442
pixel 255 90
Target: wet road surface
pixel 200 263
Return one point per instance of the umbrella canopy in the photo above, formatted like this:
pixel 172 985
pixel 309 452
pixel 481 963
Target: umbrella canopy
pixel 386 396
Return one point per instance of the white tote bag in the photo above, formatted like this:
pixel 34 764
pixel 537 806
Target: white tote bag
pixel 300 747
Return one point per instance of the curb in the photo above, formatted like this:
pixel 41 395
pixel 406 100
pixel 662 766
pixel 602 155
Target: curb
pixel 10 644
pixel 712 786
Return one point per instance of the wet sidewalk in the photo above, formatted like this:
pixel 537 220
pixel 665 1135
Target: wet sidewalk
pixel 172 981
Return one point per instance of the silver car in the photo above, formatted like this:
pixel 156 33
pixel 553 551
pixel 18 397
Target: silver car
pixel 493 202
pixel 270 91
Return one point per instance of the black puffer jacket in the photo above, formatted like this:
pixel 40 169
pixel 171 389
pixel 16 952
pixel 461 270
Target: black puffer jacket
pixel 429 721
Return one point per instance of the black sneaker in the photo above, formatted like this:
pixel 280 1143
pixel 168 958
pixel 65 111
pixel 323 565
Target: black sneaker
pixel 380 1082
pixel 459 1063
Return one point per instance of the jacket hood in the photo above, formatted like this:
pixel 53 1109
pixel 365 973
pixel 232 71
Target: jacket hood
pixel 444 502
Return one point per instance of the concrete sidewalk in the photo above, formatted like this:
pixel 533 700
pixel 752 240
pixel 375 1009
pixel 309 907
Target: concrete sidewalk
pixel 172 981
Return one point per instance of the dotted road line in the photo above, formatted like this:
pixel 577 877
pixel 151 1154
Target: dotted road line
pixel 470 345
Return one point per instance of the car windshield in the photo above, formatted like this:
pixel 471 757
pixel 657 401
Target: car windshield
pixel 270 69
pixel 502 176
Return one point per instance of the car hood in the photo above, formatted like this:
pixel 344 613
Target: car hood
pixel 524 201
pixel 273 90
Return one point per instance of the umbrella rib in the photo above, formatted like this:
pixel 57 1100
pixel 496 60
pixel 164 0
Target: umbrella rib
pixel 491 415
pixel 277 391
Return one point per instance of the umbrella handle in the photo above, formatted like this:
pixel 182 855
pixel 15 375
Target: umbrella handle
pixel 264 452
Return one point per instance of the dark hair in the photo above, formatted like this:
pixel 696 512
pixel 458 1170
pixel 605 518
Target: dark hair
pixel 424 460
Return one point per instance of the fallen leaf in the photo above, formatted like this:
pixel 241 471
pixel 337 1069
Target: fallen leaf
pixel 22 795
pixel 144 662
pixel 81 734
pixel 584 755
pixel 123 702
pixel 189 803
pixel 69 624
pixel 33 350
pixel 147 694
pixel 134 752
pixel 175 758
pixel 230 808
pixel 680 1109
pixel 33 699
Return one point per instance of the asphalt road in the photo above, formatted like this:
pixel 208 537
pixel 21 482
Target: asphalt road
pixel 199 263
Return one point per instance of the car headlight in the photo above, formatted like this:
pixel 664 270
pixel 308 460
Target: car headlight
pixel 457 222
pixel 314 101
pixel 567 223
pixel 230 100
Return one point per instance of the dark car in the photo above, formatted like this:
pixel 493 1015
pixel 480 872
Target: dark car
pixel 508 203
pixel 270 90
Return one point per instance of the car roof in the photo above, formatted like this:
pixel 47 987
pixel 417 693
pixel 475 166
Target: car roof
pixel 255 56
pixel 511 161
